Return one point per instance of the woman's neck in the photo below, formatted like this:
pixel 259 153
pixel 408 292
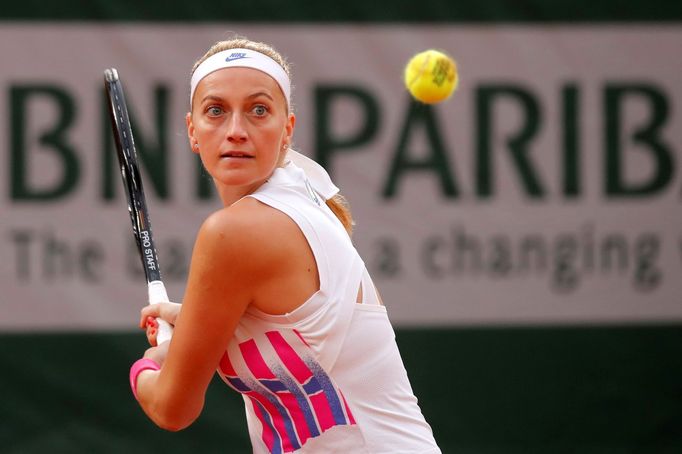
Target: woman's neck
pixel 231 194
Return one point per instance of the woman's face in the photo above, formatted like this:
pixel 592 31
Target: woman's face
pixel 241 127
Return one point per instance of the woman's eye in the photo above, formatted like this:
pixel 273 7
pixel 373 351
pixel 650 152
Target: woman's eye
pixel 260 110
pixel 214 111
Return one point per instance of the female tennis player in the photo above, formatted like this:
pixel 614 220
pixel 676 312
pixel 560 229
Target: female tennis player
pixel 278 301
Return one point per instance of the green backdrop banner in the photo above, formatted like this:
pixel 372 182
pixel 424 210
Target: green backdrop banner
pixel 493 391
pixel 433 11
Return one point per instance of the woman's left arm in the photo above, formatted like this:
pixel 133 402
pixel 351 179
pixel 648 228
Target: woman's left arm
pixel 225 269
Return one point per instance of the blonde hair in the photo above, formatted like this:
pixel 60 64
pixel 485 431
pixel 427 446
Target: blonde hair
pixel 338 203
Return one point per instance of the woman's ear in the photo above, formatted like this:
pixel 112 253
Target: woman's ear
pixel 288 136
pixel 193 143
pixel 289 127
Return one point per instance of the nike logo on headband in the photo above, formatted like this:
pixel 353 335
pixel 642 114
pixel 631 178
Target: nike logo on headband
pixel 236 56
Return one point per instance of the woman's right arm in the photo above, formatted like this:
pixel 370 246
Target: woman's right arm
pixel 227 264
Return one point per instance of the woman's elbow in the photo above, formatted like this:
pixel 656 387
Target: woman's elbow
pixel 173 419
pixel 172 425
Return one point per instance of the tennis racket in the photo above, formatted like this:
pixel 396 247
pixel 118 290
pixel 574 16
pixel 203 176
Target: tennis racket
pixel 137 205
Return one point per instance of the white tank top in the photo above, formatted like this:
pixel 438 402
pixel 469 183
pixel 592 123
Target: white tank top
pixel 327 377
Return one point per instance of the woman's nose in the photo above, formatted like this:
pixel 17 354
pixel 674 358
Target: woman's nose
pixel 236 132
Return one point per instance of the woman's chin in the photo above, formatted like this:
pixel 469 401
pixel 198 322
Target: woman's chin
pixel 234 180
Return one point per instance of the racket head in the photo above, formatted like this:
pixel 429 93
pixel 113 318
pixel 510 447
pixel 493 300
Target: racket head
pixel 130 174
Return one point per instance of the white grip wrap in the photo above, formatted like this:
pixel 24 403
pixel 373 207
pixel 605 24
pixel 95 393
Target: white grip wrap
pixel 158 294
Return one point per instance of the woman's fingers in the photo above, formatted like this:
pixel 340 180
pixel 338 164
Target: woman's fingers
pixel 151 327
pixel 151 335
pixel 169 312
pixel 150 311
pixel 165 311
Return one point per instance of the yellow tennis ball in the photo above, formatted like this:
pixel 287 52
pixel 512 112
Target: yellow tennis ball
pixel 431 76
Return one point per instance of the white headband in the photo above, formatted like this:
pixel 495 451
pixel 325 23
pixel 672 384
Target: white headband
pixel 242 58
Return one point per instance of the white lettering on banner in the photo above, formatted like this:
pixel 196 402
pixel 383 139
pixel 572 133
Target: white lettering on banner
pixel 546 190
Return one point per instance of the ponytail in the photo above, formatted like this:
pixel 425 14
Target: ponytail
pixel 341 208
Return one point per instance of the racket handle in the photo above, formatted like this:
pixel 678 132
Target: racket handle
pixel 158 294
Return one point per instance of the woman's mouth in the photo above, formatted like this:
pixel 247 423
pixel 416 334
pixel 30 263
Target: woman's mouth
pixel 236 155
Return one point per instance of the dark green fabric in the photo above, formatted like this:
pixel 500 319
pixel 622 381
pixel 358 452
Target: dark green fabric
pixel 348 11
pixel 483 390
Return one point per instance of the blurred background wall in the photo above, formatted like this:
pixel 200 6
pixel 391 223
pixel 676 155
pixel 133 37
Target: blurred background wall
pixel 525 234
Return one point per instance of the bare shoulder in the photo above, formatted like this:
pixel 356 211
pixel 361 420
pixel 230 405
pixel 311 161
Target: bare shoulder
pixel 257 250
pixel 252 231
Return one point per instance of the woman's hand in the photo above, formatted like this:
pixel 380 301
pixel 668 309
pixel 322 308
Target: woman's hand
pixel 148 315
pixel 157 354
